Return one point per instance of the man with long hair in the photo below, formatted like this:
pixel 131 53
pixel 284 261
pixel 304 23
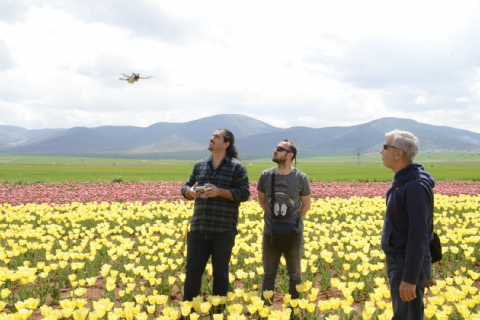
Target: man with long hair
pixel 218 185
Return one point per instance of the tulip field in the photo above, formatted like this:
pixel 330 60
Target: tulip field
pixel 117 251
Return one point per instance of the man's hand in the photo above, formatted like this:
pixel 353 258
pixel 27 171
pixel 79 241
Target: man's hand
pixel 211 190
pixel 407 291
pixel 192 193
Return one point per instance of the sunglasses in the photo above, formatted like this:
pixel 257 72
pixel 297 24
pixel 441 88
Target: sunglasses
pixel 385 146
pixel 280 149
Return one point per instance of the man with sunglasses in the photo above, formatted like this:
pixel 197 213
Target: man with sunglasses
pixel 291 203
pixel 407 227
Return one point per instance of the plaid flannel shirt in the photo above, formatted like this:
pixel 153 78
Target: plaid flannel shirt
pixel 218 215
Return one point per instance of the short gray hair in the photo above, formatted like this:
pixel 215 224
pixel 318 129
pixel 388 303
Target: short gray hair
pixel 405 141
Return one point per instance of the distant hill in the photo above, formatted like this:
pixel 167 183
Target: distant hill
pixel 11 136
pixel 254 138
pixel 370 136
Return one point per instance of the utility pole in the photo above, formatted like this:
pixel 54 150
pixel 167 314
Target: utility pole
pixel 359 156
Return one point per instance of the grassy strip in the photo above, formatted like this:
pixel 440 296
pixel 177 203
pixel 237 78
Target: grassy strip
pixel 317 171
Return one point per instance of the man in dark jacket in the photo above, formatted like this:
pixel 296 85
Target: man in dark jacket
pixel 407 228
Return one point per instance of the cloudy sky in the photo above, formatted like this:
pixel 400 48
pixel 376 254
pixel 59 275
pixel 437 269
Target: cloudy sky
pixel 287 63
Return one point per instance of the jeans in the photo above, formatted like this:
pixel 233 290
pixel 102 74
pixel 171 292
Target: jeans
pixel 412 309
pixel 271 259
pixel 200 246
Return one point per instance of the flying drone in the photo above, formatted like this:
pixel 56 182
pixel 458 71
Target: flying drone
pixel 133 78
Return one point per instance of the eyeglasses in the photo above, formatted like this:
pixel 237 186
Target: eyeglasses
pixel 281 149
pixel 385 146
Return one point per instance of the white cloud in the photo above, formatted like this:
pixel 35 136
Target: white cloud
pixel 6 61
pixel 306 63
pixel 420 100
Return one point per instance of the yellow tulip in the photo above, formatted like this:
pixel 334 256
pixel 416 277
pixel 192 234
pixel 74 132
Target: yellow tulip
pixel 24 313
pixel 239 292
pixel 67 312
pixel 447 309
pixel 91 281
pixel 31 303
pixel 19 305
pixel 142 316
pixel 5 293
pixel 110 286
pixel 267 294
pixel 347 309
pixel 311 307
pixel 205 307
pixel 258 303
pixel 193 316
pixel 302 303
pixel 80 314
pixel 252 308
pixel 334 282
pixel 151 309
pixel 307 285
pixel 264 312
pixel 441 283
pixel 140 298
pixel 300 288
pixel 80 303
pixel 216 300
pixel 185 310
pixel 94 315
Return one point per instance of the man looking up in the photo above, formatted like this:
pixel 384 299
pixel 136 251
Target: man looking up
pixel 291 203
pixel 215 217
pixel 407 229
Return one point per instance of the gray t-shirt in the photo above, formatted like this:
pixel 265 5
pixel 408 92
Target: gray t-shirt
pixel 289 189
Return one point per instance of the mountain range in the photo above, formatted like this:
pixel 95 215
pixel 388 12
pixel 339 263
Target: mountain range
pixel 254 138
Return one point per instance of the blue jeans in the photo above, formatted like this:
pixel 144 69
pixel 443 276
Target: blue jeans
pixel 200 246
pixel 412 309
pixel 271 259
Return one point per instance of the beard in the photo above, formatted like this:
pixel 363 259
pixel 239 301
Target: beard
pixel 276 160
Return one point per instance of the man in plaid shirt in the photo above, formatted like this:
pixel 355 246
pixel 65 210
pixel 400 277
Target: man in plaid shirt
pixel 215 217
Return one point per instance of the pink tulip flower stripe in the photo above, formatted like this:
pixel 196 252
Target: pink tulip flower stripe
pixel 144 192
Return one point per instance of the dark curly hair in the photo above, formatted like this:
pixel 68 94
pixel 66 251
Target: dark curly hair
pixel 229 137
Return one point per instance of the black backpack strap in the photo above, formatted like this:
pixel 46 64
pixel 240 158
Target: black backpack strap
pixel 272 192
pixel 430 192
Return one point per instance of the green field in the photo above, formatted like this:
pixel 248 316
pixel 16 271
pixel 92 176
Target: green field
pixel 62 160
pixel 21 169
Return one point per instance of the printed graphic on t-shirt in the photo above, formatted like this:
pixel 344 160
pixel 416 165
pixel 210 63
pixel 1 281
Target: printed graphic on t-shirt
pixel 284 204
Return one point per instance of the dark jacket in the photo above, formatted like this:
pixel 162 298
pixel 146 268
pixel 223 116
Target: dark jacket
pixel 408 220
